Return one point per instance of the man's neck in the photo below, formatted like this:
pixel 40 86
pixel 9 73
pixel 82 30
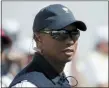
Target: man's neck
pixel 48 67
pixel 58 66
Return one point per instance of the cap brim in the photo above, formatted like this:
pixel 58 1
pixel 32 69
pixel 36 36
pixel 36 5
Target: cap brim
pixel 65 20
pixel 80 25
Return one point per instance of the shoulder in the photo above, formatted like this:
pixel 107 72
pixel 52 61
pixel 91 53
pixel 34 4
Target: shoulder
pixel 25 83
pixel 28 80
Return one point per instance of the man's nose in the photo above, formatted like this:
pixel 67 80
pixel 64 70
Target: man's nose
pixel 69 41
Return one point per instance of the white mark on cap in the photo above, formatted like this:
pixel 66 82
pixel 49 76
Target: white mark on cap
pixel 65 9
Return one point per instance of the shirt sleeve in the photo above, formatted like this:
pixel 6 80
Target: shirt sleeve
pixel 24 83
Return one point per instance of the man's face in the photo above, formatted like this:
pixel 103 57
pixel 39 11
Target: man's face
pixel 59 50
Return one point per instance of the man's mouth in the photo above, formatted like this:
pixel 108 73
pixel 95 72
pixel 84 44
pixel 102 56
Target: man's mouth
pixel 68 50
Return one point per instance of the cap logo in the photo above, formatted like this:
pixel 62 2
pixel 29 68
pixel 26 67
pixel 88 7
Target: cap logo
pixel 65 9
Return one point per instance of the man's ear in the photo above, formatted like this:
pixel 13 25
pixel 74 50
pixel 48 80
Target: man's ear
pixel 37 37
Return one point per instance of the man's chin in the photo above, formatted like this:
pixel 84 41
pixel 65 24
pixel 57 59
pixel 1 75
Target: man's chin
pixel 69 59
pixel 66 59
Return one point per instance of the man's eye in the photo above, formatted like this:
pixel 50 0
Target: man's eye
pixel 75 32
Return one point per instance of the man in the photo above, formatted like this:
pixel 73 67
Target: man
pixel 56 33
pixel 6 43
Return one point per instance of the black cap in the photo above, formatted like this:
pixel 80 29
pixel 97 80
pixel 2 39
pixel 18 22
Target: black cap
pixel 56 16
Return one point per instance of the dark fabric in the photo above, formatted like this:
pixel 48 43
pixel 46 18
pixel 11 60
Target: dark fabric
pixel 38 64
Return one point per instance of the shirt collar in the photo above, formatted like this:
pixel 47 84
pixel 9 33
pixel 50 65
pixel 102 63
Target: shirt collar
pixel 40 64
